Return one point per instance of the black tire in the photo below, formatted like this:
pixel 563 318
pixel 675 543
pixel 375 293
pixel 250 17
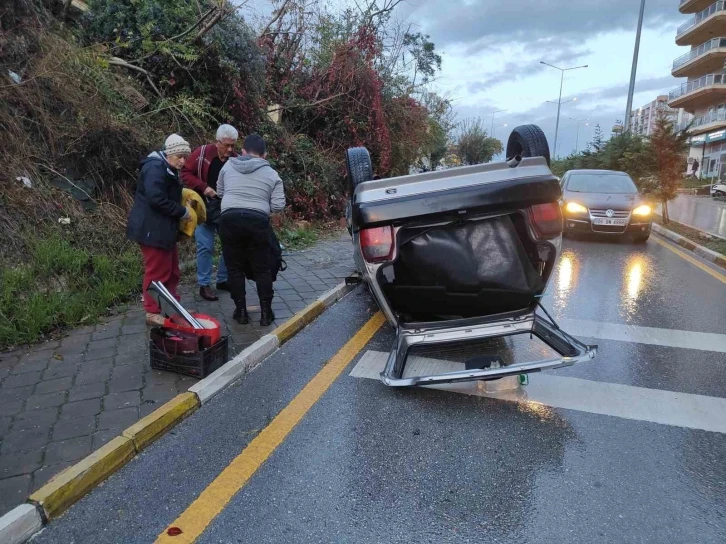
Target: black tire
pixel 641 238
pixel 719 193
pixel 528 141
pixel 360 168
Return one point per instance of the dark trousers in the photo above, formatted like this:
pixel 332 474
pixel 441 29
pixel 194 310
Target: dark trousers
pixel 246 247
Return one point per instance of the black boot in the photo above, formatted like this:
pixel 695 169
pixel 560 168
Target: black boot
pixel 267 316
pixel 240 314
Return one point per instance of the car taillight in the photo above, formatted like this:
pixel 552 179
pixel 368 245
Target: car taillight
pixel 547 219
pixel 377 244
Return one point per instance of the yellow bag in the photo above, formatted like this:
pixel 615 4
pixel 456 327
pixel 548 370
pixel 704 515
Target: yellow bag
pixel 197 212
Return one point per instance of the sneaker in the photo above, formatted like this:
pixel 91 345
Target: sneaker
pixel 155 320
pixel 222 286
pixel 207 293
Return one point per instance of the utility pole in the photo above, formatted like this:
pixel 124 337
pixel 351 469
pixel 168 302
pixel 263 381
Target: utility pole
pixel 559 101
pixel 633 71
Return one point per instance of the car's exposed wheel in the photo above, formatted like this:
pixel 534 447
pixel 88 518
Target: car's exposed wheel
pixel 641 238
pixel 360 168
pixel 528 141
pixel 719 193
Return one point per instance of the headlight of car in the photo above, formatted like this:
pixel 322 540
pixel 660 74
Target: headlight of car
pixel 642 210
pixel 574 207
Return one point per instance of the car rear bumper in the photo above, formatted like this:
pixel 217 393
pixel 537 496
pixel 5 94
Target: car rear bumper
pixel 571 351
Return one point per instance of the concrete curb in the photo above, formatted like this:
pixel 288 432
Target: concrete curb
pixel 685 243
pixel 246 361
pixel 66 488
pixel 69 486
pixel 20 524
pixel 252 356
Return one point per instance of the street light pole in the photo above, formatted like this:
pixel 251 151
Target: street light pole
pixel 577 138
pixel 493 114
pixel 495 128
pixel 559 101
pixel 634 69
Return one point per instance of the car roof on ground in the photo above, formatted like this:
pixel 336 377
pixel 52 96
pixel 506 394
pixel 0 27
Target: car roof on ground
pixel 588 171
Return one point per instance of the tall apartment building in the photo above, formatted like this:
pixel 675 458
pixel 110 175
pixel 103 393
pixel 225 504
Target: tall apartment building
pixel 642 120
pixel 704 94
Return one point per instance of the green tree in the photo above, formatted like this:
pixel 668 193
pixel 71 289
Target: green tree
pixel 657 166
pixel 474 146
pixel 441 125
pixel 426 61
pixel 598 143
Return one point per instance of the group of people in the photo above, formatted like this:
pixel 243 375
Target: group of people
pixel 240 193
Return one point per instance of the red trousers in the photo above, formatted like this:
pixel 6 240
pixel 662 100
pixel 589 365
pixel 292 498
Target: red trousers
pixel 160 265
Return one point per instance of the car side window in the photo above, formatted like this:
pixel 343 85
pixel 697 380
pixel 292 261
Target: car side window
pixel 563 181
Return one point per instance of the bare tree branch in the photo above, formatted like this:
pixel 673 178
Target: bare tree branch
pixel 276 18
pixel 115 61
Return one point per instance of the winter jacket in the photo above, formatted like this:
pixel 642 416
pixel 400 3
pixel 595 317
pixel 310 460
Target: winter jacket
pixel 196 169
pixel 157 209
pixel 250 183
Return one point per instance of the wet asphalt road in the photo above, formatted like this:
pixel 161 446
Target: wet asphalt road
pixel 371 464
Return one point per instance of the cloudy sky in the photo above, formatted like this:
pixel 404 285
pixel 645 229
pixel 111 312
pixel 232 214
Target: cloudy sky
pixel 492 51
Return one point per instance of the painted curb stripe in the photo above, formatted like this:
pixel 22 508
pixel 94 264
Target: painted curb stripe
pixel 72 484
pixel 197 517
pixel 298 322
pixel 66 488
pixel 148 429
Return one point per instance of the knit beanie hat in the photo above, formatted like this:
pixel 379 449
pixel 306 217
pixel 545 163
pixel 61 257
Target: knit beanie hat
pixel 176 145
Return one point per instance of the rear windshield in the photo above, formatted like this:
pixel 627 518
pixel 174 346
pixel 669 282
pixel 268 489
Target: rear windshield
pixel 601 183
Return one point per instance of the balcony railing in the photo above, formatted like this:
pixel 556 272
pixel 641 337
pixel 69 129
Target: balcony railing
pixel 700 16
pixel 705 81
pixel 712 117
pixel 698 51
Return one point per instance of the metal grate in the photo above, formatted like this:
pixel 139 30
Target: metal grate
pixel 617 214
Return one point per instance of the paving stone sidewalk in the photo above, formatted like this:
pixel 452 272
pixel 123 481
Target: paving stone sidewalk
pixel 61 400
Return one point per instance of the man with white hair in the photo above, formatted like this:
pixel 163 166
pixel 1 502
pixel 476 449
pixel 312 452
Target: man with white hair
pixel 200 173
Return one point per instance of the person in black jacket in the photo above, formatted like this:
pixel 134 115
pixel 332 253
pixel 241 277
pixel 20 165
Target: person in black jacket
pixel 154 219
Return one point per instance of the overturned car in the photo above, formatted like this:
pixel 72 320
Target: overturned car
pixel 463 255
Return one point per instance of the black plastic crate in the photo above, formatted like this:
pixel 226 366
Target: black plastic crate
pixel 198 365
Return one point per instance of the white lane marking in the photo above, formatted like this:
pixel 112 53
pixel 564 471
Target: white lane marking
pixel 610 399
pixel 672 338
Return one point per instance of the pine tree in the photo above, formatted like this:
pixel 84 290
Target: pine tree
pixel 597 139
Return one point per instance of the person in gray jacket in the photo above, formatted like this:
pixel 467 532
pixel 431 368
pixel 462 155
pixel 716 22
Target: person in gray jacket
pixel 251 190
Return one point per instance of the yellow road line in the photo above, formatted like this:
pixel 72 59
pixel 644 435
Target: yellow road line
pixel 197 517
pixel 695 262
